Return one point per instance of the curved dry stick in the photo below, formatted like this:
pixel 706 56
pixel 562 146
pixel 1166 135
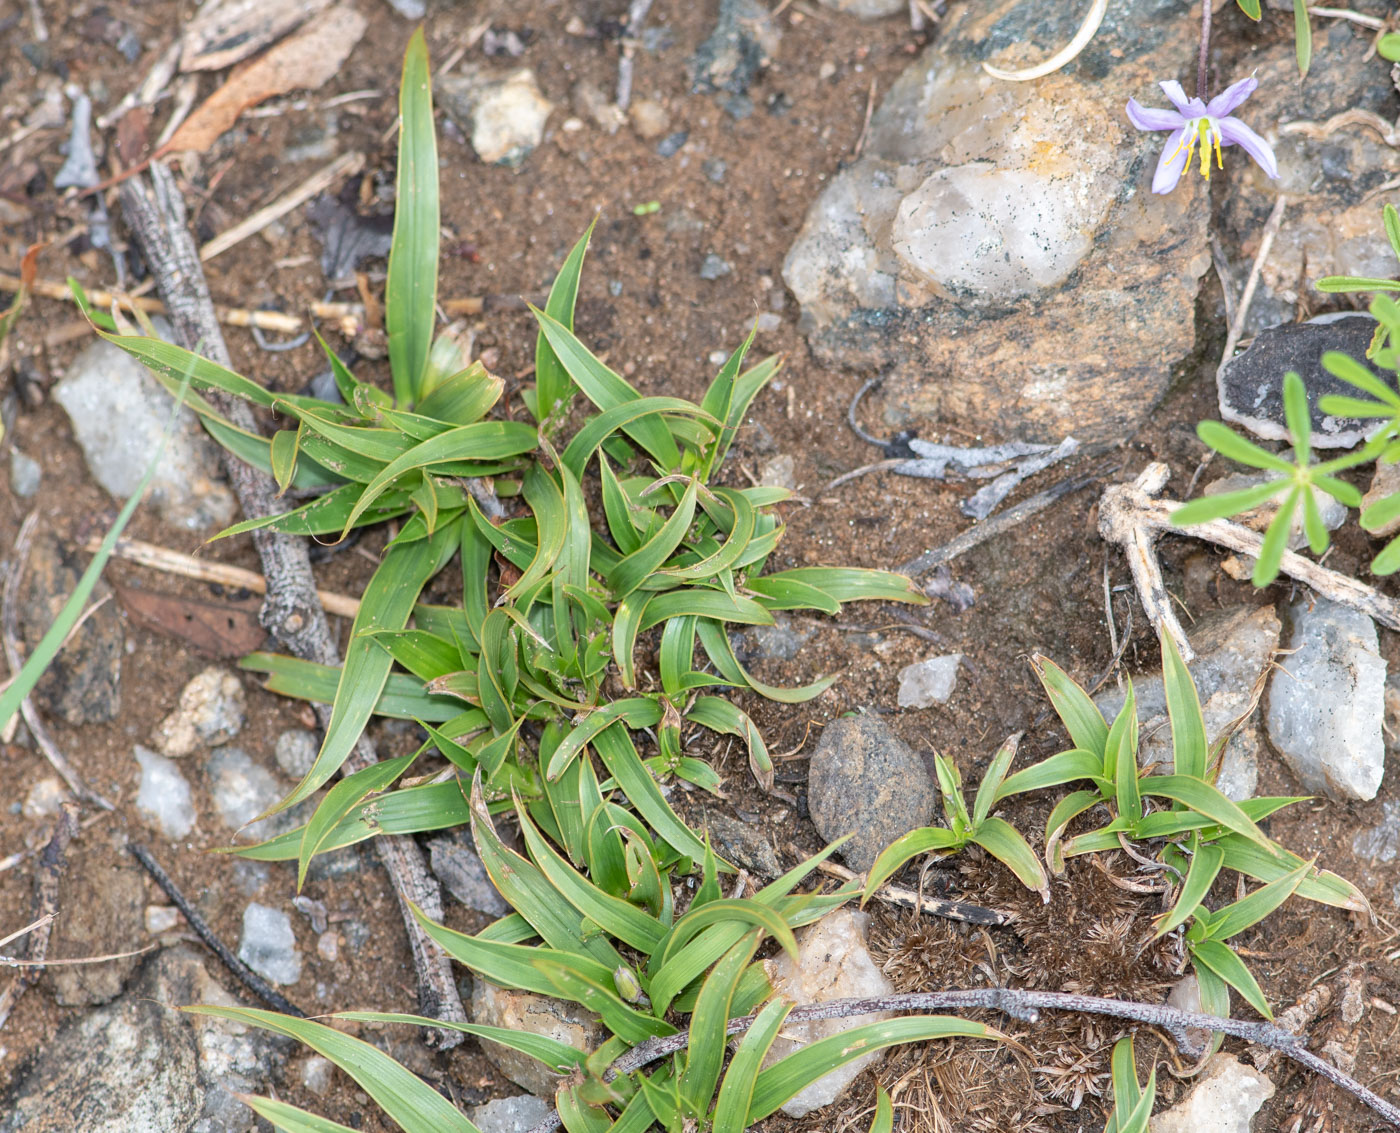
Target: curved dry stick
pixel 1025 1006
pixel 1062 57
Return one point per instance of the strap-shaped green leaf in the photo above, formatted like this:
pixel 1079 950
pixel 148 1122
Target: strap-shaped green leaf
pixel 1205 799
pixel 341 800
pixel 1190 745
pixel 709 1022
pixel 553 389
pixel 1085 723
pixel 1063 767
pixel 289 1118
pixel 736 1092
pixel 1005 843
pixel 1206 864
pixel 1221 961
pixel 989 790
pixel 633 569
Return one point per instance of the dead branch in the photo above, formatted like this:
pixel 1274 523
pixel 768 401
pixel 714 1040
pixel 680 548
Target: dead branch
pixel 1025 1006
pixel 1131 516
pixel 47 874
pixel 292 612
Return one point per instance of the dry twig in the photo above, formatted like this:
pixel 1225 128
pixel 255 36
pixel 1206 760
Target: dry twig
pixel 1131 516
pixel 292 612
pixel 933 906
pixel 47 874
pixel 1266 243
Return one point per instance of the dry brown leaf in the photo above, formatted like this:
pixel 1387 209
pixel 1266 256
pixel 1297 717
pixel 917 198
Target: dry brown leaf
pixel 220 629
pixel 228 31
pixel 303 62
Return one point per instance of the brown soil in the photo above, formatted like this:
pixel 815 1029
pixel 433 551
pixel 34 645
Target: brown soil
pixel 1039 588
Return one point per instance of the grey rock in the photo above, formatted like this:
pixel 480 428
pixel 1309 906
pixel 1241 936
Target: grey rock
pixel 1251 384
pixel 867 9
pixel 1224 1100
pixel 44 798
pixel 317 1074
pixel 269 946
pixel 714 267
pixel 242 790
pixel 1232 650
pixel 744 40
pixel 139 1065
pixel 119 414
pixel 25 474
pixel 537 1014
pixel 978 221
pixel 782 641
pixel 742 843
pixel 296 751
pixel 504 112
pixel 83 684
pixel 671 144
pixel 833 962
pixel 510 1115
pixel 104 899
pixel 164 794
pixel 1380 843
pixel 409 9
pixel 211 711
pixel 460 870
pixel 1327 701
pixel 863 780
pixel 929 682
pixel 780 472
pixel 715 169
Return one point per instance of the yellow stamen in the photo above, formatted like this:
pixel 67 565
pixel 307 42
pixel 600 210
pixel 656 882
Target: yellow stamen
pixel 1203 134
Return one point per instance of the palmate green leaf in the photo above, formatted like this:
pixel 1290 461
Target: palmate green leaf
pixel 1205 799
pixel 289 1118
pixel 736 1092
pixel 1205 508
pixel 1298 416
pixel 1221 961
pixel 1085 723
pixel 411 290
pixel 1340 406
pixel 904 849
pixel 708 1023
pixel 1206 864
pixel 1390 217
pixel 558 1056
pixel 387 602
pixel 406 1098
pixel 1388 561
pixel 796 1072
pixel 1229 443
pixel 1005 843
pixel 1064 767
pixel 553 389
pixel 345 797
pixel 1354 373
pixel 1275 542
pixel 606 389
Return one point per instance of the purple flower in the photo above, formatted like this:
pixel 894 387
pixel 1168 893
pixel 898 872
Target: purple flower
pixel 1208 125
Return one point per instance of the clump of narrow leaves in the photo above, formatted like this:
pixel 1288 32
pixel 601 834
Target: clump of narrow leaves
pixel 1132 1102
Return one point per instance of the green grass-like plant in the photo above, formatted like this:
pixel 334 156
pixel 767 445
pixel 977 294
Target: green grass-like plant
pixel 1132 1102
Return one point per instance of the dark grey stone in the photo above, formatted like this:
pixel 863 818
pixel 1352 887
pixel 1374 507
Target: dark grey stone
pixel 742 844
pixel 864 780
pixel 1251 384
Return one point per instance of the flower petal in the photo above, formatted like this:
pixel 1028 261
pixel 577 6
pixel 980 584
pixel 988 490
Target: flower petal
pixel 1229 100
pixel 1233 132
pixel 1150 118
pixel 1189 107
pixel 1171 164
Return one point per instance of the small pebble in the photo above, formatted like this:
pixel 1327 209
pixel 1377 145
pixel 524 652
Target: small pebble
pixel 211 712
pixel 328 946
pixel 316 1075
pixel 296 751
pixel 929 682
pixel 240 788
pixel 715 168
pixel 161 918
pixel 649 119
pixel 24 474
pixel 670 145
pixel 714 267
pixel 44 798
pixel 767 322
pixel 269 946
pixel 164 795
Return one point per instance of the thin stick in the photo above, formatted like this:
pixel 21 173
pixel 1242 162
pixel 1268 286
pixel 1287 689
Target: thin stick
pixel 187 566
pixel 865 125
pixel 1372 22
pixel 346 165
pixel 1130 516
pixel 998 524
pixel 12 962
pixel 9 637
pixel 1203 59
pixel 636 13
pixel 246 976
pixel 1025 1006
pixel 292 612
pixel 933 906
pixel 1266 243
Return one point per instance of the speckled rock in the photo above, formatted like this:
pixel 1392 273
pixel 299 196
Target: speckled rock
pixel 1385 482
pixel 503 113
pixel 83 685
pixel 996 250
pixel 833 962
pixel 211 712
pixel 743 843
pixel 119 414
pixel 104 899
pixel 539 1014
pixel 863 780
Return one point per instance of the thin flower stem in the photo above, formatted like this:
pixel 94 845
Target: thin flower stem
pixel 1203 61
pixel 1025 1006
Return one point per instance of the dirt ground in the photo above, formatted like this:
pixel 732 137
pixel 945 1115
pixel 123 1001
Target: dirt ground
pixel 645 306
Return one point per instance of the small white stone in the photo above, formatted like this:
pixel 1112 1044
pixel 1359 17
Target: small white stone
pixel 241 789
pixel 929 682
pixel 25 474
pixel 44 798
pixel 316 1075
pixel 328 946
pixel 649 118
pixel 505 114
pixel 161 918
pixel 1224 1100
pixel 296 752
pixel 509 1115
pixel 780 472
pixel 210 712
pixel 164 795
pixel 269 946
